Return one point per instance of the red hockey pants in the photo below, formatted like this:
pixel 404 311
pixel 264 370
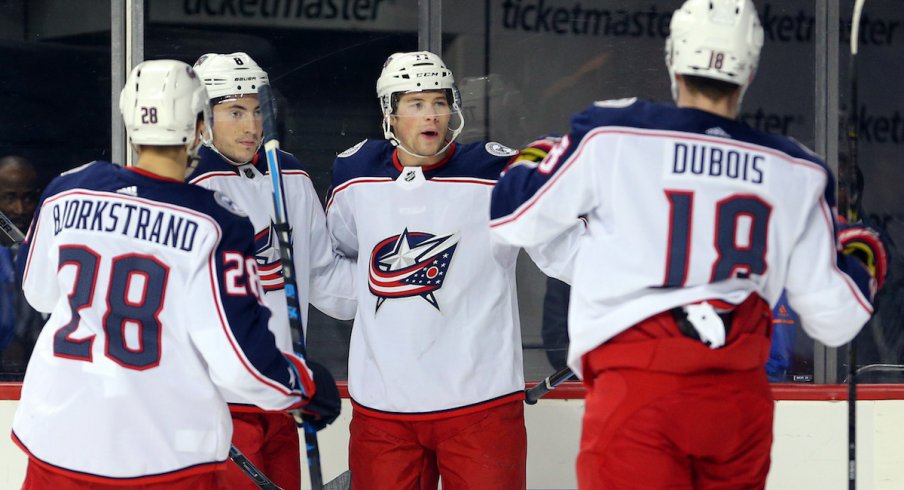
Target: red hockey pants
pixel 481 450
pixel 705 425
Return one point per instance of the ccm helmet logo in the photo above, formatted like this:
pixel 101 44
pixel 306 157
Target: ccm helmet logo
pixel 429 74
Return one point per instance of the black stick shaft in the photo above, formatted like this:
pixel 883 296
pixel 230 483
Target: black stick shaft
pixel 539 390
pixel 12 233
pixel 849 207
pixel 248 467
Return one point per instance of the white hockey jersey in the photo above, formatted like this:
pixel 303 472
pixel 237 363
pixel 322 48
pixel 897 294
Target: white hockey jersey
pixel 683 206
pixel 155 305
pixel 437 328
pixel 323 278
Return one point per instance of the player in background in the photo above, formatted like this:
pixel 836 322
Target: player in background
pixel 156 307
pixel 435 368
pixel 234 163
pixel 19 322
pixel 696 224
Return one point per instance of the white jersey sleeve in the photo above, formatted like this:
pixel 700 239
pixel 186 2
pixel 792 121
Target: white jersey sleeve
pixel 817 290
pixel 323 278
pixel 332 274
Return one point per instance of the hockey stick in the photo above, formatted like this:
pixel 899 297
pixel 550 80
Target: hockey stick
pixel 849 207
pixel 248 467
pixel 532 395
pixel 341 482
pixel 281 225
pixel 10 231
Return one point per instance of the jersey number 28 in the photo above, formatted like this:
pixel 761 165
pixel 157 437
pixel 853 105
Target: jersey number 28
pixel 123 309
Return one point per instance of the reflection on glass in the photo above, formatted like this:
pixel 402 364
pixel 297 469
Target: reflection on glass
pixel 56 116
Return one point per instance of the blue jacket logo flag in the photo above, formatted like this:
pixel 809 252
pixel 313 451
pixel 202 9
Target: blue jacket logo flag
pixel 410 264
pixel 269 264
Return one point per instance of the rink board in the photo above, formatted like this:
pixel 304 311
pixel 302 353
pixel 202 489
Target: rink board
pixel 810 448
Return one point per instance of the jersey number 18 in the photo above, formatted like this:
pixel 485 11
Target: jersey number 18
pixel 735 258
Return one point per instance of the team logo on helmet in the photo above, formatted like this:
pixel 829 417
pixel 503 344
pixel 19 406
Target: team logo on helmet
pixel 410 264
pixel 269 263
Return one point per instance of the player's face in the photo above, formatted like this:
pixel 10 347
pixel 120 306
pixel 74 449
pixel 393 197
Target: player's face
pixel 18 195
pixel 237 128
pixel 421 121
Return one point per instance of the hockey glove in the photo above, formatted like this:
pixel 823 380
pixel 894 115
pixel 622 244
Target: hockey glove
pixel 324 408
pixel 534 153
pixel 866 244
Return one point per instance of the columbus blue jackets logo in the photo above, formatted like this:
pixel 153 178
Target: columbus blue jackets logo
pixel 410 264
pixel 269 264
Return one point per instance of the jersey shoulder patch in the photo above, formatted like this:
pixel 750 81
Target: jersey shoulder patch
pixel 351 151
pixel 499 150
pixel 616 103
pixel 79 168
pixel 228 204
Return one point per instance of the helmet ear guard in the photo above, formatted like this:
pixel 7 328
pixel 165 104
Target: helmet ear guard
pixel 416 72
pixel 717 39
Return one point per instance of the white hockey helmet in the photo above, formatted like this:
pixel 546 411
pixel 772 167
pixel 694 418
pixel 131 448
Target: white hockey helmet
pixel 415 72
pixel 717 39
pixel 228 75
pixel 160 104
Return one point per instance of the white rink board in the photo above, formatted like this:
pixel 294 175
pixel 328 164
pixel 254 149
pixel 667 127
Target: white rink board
pixel 810 448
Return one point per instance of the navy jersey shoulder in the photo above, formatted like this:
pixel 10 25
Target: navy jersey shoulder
pixel 649 115
pixel 287 161
pixel 481 159
pixel 374 158
pixel 103 176
pixel 633 113
pixel 211 161
pixel 368 158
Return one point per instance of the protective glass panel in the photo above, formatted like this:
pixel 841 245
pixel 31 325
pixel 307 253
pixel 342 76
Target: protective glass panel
pixel 323 59
pixel 879 128
pixel 525 67
pixel 56 117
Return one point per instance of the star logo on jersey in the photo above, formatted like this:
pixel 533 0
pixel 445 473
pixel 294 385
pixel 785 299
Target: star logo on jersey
pixel 410 264
pixel 269 263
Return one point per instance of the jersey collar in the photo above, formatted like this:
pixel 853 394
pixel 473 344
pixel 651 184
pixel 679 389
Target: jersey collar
pixel 152 175
pixel 427 168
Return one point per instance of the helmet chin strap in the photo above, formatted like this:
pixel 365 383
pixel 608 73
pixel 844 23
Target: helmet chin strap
pixel 232 162
pixel 206 139
pixel 390 135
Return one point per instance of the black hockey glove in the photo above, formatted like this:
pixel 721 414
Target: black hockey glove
pixel 324 408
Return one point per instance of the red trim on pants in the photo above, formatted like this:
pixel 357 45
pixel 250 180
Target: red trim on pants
pixel 442 414
pixel 41 477
pixel 482 450
pixel 270 441
pixel 665 411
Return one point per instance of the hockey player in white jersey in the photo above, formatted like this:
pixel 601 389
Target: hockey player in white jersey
pixel 233 162
pixel 435 367
pixel 696 224
pixel 155 306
